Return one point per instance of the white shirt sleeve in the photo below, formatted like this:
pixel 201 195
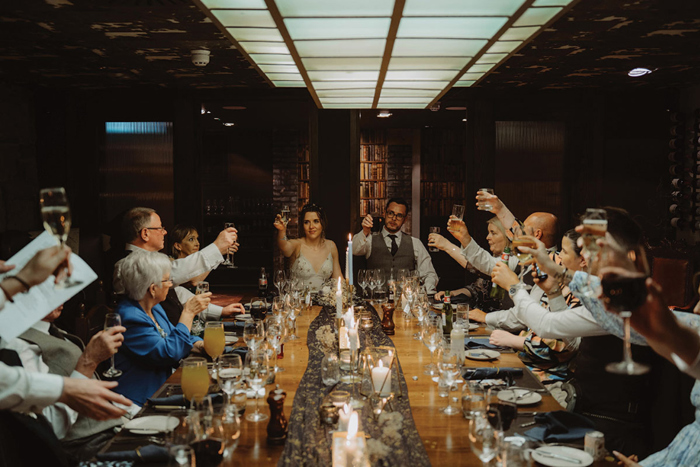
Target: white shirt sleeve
pixel 361 245
pixel 212 313
pixel 567 324
pixel 481 259
pixel 424 265
pixel 693 369
pixel 195 264
pixel 23 390
pixel 504 319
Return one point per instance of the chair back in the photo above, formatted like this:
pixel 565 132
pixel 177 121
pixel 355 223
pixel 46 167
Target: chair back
pixel 92 322
pixel 674 276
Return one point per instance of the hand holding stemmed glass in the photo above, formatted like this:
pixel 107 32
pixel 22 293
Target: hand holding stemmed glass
pixel 56 216
pixel 112 320
pixel 229 255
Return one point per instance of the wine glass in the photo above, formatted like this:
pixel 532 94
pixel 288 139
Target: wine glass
pixel 258 366
pixel 56 216
pixel 253 334
pixel 293 310
pixel 483 438
pixel 278 306
pixel 275 334
pixel 379 279
pixel 229 254
pixel 472 399
pixel 195 379
pixel 623 290
pixel 595 225
pixel 432 335
pixel 500 412
pixel 449 367
pixel 420 311
pixel 229 374
pixel 112 320
pixel 280 279
pixel 483 204
pixel 362 280
pixel 214 339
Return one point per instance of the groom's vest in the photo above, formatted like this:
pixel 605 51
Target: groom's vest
pixel 381 258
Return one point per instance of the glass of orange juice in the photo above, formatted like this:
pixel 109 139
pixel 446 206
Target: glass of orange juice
pixel 214 339
pixel 195 378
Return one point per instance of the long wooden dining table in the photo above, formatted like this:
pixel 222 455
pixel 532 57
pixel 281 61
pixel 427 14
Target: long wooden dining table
pixel 444 436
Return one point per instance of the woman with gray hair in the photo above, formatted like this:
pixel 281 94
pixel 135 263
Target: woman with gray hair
pixel 153 346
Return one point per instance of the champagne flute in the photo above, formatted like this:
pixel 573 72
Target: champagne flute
pixel 229 255
pixel 379 279
pixel 214 339
pixel 229 374
pixel 112 320
pixel 56 216
pixel 362 280
pixel 370 282
pixel 258 366
pixel 195 379
pixel 275 334
pixel 595 226
pixel 432 335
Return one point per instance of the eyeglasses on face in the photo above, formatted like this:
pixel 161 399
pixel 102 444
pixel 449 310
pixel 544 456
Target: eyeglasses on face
pixel 161 228
pixel 395 215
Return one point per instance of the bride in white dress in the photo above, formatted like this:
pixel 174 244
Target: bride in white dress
pixel 315 257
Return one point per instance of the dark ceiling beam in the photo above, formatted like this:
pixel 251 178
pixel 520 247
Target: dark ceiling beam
pixel 388 48
pixel 279 21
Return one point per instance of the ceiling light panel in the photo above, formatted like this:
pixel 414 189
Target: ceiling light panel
pixel 480 68
pixel 237 4
pixel 272 59
pixel 464 84
pixel 348 100
pixel 289 84
pixel 256 34
pixel 503 47
pixel 347 106
pixel 384 101
pixel 461 7
pixel 345 85
pixel 536 16
pixel 428 63
pixel 552 2
pixel 457 28
pixel 369 92
pixel 316 8
pixel 337 28
pixel 442 47
pixel 353 63
pixel 519 34
pixel 490 58
pixel 265 47
pixel 279 68
pixel 244 18
pixel 390 92
pixel 285 76
pixel 416 84
pixel 421 75
pixel 343 75
pixel 341 48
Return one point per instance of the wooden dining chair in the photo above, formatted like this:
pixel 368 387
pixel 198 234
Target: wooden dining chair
pixel 90 323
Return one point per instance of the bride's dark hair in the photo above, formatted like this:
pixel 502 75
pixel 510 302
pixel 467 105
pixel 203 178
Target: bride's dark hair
pixel 321 215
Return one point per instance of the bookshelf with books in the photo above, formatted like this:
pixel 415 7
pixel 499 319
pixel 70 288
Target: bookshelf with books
pixel 373 171
pixel 442 171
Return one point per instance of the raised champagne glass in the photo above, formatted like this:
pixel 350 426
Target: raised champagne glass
pixel 285 215
pixel 229 255
pixel 56 216
pixel 595 226
pixel 112 320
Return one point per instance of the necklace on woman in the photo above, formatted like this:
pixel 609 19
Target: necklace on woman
pixel 160 330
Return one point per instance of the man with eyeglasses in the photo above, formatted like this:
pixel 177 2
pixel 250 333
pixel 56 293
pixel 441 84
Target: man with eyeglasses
pixel 392 249
pixel 144 229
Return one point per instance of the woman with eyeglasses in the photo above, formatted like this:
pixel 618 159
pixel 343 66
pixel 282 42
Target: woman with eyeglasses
pixel 153 347
pixel 315 257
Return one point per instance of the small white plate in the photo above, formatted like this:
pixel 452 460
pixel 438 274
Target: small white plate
pixel 243 317
pixel 473 326
pixel 152 424
pixel 231 338
pixel 565 451
pixel 519 396
pixel 482 354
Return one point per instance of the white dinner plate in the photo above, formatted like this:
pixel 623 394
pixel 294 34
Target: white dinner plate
pixel 231 338
pixel 482 354
pixel 540 455
pixel 152 424
pixel 243 317
pixel 520 396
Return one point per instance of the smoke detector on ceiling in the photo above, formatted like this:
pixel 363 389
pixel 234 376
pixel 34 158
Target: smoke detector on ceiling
pixel 200 57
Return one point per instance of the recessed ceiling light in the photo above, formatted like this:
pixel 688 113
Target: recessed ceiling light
pixel 229 124
pixel 455 108
pixel 234 107
pixel 464 119
pixel 637 72
pixel 384 114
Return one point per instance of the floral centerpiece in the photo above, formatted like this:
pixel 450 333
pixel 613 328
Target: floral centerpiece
pixel 326 294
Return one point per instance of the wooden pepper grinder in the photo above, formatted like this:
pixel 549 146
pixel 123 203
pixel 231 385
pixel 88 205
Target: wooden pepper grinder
pixel 277 427
pixel 388 319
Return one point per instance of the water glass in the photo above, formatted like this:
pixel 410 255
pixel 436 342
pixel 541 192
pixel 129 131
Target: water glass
pixel 485 205
pixel 483 438
pixel 181 455
pixel 463 316
pixel 330 370
pixel 436 230
pixel 458 211
pixel 472 399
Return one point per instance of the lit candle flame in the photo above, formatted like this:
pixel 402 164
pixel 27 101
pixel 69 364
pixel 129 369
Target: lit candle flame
pixel 381 364
pixel 347 409
pixel 349 237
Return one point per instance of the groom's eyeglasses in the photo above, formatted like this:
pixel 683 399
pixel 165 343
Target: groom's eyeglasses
pixel 395 215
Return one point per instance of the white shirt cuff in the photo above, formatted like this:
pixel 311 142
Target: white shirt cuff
pixel 44 390
pixel 693 369
pixel 213 312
